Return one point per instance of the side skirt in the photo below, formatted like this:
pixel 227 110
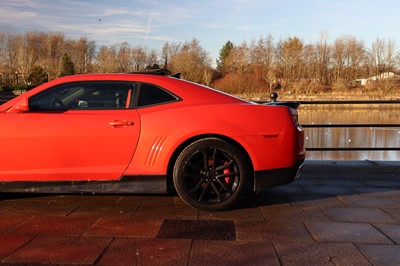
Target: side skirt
pixel 127 184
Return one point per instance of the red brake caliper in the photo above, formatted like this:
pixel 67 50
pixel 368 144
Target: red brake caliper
pixel 227 171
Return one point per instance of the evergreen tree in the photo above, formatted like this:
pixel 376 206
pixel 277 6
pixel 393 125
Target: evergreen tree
pixel 67 66
pixel 38 76
pixel 223 54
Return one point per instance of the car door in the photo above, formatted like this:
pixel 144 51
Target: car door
pixel 76 131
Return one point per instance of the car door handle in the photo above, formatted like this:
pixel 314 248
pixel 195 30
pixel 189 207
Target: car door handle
pixel 121 123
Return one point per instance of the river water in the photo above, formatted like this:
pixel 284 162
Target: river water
pixel 359 137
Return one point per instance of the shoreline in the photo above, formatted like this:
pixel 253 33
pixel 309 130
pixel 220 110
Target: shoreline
pixel 320 97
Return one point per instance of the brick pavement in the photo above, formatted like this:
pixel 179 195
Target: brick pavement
pixel 337 213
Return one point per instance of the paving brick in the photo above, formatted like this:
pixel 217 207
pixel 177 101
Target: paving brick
pixel 387 255
pixel 265 198
pixel 48 207
pixel 292 188
pixel 105 209
pixel 173 211
pixel 394 212
pixel 271 196
pixel 346 232
pixel 53 226
pixel 151 200
pixel 121 251
pixel 236 214
pixel 10 243
pixel 89 198
pixel 125 227
pixel 315 200
pixel 365 190
pixel 294 213
pixel 306 253
pixel 132 251
pixel 232 253
pixel 290 230
pixel 329 190
pixel 198 229
pixel 31 197
pixel 395 196
pixel 387 182
pixel 392 231
pixel 60 250
pixel 163 251
pixel 10 220
pixel 359 215
pixel 316 180
pixel 8 205
pixel 369 201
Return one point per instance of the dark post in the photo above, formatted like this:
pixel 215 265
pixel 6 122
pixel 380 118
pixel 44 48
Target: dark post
pixel 273 96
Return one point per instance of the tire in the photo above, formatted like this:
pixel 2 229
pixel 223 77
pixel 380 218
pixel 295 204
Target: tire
pixel 210 174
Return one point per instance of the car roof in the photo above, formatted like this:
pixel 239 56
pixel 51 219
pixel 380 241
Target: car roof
pixel 190 92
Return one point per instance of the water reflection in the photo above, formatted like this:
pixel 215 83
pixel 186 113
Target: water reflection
pixel 365 137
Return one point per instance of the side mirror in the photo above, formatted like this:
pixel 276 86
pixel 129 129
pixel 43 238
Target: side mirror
pixel 21 107
pixel 83 104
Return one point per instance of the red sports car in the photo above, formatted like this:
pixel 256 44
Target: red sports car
pixel 146 133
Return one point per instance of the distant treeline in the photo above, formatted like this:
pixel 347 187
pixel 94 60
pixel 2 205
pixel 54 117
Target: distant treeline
pixel 264 64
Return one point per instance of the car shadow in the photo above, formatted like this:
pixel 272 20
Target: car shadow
pixel 322 180
pixel 321 183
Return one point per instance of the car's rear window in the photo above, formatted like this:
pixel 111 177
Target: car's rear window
pixel 151 95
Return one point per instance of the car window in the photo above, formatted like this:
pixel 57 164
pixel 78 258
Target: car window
pixel 151 95
pixel 104 95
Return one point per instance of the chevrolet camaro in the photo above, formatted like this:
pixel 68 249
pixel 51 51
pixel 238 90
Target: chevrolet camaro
pixel 146 132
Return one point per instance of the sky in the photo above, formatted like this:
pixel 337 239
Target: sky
pixel 151 23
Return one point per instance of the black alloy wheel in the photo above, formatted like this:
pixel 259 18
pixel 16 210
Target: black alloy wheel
pixel 210 174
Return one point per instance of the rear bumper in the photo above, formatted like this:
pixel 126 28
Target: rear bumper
pixel 270 178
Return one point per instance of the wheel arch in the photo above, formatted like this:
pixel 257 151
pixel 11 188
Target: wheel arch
pixel 183 145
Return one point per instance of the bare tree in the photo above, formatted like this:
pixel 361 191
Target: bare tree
pixel 12 44
pixel 124 58
pixel 82 54
pixel 152 59
pixel 54 47
pixel 3 58
pixel 139 56
pixel 290 53
pixel 168 51
pixel 262 58
pixel 191 61
pixel 323 55
pixel 348 58
pixel 310 62
pixel 106 61
pixel 383 55
pixel 28 46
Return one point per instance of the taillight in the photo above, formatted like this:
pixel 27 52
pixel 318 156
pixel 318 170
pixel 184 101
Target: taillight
pixel 295 117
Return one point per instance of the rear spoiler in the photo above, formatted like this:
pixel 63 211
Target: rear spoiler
pixel 274 97
pixel 158 72
pixel 293 105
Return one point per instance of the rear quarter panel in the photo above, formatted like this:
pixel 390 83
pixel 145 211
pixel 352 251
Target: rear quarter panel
pixel 265 132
